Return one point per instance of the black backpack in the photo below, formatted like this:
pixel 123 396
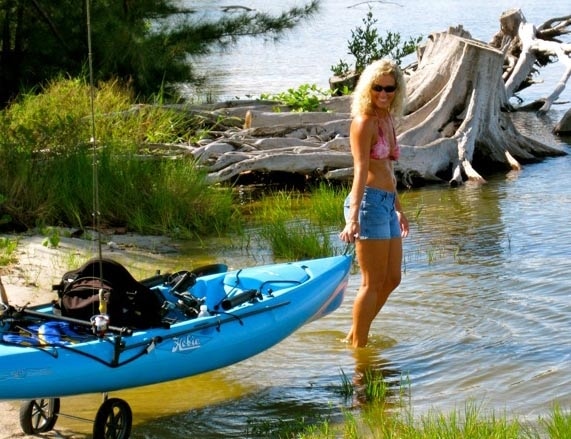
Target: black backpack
pixel 129 302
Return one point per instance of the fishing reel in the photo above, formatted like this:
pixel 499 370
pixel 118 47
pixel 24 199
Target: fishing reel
pixel 100 324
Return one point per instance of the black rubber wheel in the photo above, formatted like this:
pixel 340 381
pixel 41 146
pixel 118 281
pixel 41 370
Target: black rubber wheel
pixel 113 420
pixel 39 415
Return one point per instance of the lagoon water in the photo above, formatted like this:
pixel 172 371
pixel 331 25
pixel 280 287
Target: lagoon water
pixel 306 54
pixel 483 311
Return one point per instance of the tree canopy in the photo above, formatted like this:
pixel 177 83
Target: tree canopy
pixel 147 43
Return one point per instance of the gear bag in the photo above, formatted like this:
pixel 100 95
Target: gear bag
pixel 129 302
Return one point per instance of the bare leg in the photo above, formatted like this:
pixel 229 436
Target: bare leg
pixel 393 274
pixel 380 262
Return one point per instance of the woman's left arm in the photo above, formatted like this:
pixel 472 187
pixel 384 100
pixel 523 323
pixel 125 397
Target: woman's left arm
pixel 403 221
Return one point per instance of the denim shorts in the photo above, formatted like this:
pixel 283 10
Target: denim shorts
pixel 377 215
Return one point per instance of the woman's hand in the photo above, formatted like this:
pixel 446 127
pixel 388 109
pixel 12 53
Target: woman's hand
pixel 403 221
pixel 351 232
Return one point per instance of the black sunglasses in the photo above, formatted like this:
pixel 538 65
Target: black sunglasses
pixel 387 88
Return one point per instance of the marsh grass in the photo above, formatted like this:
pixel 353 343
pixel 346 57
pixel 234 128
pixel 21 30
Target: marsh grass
pixel 346 389
pixel 558 425
pixel 380 415
pixel 325 205
pixel 296 239
pixel 49 162
pixel 297 225
pixel 382 422
pixel 284 428
pixel 376 388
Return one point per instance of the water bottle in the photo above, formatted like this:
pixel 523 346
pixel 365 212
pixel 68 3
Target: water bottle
pixel 203 311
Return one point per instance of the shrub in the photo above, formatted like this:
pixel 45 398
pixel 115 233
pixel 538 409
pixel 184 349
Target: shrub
pixel 366 46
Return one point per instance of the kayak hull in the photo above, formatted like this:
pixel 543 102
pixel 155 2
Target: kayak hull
pixel 290 295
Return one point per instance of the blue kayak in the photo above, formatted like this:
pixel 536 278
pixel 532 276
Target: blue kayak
pixel 242 313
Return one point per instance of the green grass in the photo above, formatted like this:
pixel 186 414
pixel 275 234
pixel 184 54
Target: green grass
pixel 50 165
pixel 298 226
pixel 382 415
pixel 7 251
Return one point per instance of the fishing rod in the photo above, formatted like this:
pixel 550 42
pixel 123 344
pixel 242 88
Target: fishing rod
pixel 96 207
pixel 95 170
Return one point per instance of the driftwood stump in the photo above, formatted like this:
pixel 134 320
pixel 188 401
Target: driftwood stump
pixel 456 114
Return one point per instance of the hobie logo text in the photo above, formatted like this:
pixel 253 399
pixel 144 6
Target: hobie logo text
pixel 181 344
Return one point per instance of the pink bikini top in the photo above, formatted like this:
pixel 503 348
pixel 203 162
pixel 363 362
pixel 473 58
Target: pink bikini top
pixel 382 150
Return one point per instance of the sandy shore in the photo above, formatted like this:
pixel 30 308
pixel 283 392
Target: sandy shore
pixel 29 281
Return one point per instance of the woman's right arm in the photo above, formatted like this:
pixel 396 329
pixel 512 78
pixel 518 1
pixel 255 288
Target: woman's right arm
pixel 361 136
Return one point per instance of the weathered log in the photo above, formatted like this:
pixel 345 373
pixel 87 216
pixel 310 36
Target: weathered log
pixel 300 160
pixel 256 118
pixel 214 149
pixel 322 132
pixel 346 82
pixel 281 142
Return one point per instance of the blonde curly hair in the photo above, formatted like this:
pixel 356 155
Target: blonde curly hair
pixel 362 102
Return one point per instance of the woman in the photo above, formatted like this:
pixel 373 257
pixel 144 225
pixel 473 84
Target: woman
pixel 374 218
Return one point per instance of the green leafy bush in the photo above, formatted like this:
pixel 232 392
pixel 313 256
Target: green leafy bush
pixel 305 98
pixel 366 46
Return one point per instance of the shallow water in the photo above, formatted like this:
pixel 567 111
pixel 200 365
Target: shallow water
pixel 482 312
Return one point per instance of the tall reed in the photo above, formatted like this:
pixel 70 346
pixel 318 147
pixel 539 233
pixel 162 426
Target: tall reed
pixel 297 225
